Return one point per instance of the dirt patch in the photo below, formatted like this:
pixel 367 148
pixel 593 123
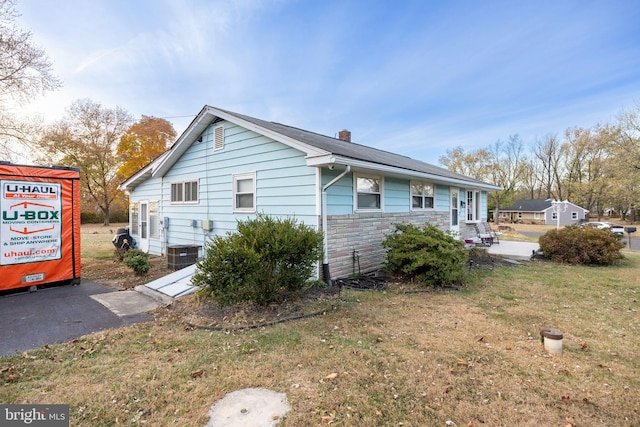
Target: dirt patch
pixel 116 275
pixel 203 313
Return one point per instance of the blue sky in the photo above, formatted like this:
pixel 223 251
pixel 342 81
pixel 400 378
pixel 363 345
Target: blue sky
pixel 413 77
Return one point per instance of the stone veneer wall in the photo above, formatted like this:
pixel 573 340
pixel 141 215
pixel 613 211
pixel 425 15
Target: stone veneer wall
pixel 364 232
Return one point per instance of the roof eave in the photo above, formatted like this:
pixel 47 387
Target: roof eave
pixel 364 166
pixel 205 117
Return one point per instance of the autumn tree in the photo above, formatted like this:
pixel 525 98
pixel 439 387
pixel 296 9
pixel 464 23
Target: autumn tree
pixel 25 72
pixel 87 138
pixel 143 142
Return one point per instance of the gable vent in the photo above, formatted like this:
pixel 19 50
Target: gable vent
pixel 218 138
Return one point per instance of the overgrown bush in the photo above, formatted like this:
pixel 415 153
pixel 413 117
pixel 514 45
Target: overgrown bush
pixel 264 256
pixel 427 255
pixel 581 245
pixel 138 261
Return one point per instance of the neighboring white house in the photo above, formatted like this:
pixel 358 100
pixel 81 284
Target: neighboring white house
pixel 227 167
pixel 543 211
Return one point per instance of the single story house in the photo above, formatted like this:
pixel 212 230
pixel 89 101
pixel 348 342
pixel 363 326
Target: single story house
pixel 543 211
pixel 227 167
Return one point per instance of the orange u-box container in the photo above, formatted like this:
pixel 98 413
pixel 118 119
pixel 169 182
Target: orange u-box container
pixel 40 226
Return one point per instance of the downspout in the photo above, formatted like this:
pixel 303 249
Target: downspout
pixel 325 260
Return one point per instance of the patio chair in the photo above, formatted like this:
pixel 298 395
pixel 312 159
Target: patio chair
pixel 485 238
pixel 494 234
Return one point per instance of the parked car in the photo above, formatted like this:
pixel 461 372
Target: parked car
pixel 603 225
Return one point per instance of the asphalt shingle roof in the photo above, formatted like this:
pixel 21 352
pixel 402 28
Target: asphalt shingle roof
pixel 529 205
pixel 353 150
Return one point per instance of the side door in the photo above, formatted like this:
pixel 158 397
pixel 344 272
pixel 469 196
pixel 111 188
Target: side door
pixel 453 221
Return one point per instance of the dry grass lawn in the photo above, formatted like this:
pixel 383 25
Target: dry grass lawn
pixel 405 356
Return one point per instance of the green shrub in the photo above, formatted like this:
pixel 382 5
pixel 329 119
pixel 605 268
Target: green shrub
pixel 138 261
pixel 264 256
pixel 581 245
pixel 427 255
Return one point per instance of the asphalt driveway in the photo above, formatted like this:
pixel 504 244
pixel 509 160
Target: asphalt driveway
pixel 30 320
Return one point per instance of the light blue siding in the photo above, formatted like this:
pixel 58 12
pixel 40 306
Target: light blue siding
pixel 442 198
pixel 397 194
pixel 340 194
pixel 285 186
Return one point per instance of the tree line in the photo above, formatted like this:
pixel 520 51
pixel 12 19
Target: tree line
pixel 597 168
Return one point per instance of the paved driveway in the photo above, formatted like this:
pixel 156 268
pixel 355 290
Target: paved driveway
pixel 59 314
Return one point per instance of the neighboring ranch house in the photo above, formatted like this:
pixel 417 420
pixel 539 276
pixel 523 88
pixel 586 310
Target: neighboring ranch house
pixel 539 211
pixel 227 167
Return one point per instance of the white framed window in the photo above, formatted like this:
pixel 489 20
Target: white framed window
pixel 536 215
pixel 135 218
pixel 473 205
pixel 554 216
pixel 368 192
pixel 519 215
pixel 574 216
pixel 244 192
pixel 422 195
pixel 153 219
pixel 184 192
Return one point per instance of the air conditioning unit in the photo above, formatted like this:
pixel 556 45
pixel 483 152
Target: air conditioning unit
pixel 181 256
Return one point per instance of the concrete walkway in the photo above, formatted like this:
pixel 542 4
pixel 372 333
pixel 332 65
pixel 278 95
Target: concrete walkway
pixel 513 249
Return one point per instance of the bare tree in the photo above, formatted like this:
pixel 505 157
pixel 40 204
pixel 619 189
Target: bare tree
pixel 506 170
pixel 586 154
pixel 530 185
pixel 25 72
pixel 548 153
pixel 473 164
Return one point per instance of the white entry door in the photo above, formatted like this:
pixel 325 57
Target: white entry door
pixel 143 244
pixel 454 227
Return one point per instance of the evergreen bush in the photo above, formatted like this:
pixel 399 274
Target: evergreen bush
pixel 138 261
pixel 581 245
pixel 264 256
pixel 427 255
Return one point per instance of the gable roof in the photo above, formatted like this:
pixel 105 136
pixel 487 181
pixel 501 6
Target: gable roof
pixel 529 205
pixel 320 150
pixel 534 205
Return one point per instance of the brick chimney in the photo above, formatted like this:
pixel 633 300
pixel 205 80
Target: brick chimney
pixel 344 135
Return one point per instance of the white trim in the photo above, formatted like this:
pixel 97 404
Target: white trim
pixel 380 178
pixel 379 169
pixel 433 195
pixel 241 177
pixel 182 200
pixel 473 207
